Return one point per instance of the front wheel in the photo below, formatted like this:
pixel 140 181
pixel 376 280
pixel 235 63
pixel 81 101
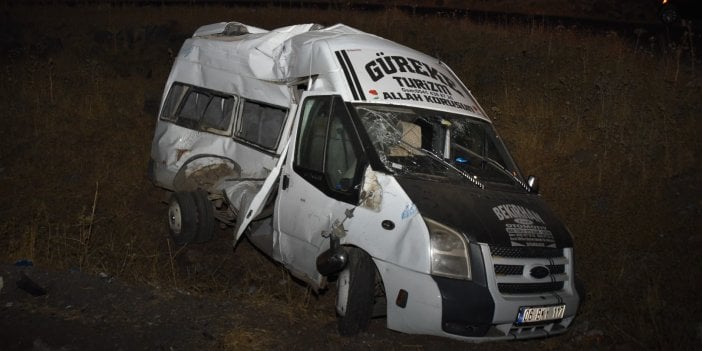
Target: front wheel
pixel 355 293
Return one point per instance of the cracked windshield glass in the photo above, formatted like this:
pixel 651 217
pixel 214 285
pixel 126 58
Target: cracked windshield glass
pixel 438 145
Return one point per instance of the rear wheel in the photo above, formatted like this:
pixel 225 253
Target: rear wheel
pixel 182 218
pixel 205 217
pixel 355 293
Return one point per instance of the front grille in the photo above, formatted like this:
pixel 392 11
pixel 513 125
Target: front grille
pixel 512 267
pixel 529 288
pixel 525 252
pixel 508 269
pixel 556 269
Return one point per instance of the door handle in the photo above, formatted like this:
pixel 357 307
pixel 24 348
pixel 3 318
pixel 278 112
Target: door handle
pixel 286 181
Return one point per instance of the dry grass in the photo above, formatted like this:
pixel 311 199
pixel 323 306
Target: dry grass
pixel 610 125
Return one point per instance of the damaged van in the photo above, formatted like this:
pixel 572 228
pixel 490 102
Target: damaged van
pixel 355 161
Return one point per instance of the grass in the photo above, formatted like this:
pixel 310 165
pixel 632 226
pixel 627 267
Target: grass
pixel 610 125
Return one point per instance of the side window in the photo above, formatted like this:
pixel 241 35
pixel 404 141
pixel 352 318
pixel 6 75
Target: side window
pixel 261 124
pixel 327 152
pixel 341 159
pixel 218 113
pixel 175 95
pixel 313 132
pixel 193 109
pixel 199 108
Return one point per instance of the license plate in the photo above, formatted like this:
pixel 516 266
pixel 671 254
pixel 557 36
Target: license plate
pixel 540 314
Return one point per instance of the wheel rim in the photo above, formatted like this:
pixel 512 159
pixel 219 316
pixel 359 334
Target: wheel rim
pixel 342 291
pixel 175 221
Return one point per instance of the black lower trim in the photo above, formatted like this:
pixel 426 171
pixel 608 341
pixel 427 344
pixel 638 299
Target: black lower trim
pixel 529 288
pixel 467 307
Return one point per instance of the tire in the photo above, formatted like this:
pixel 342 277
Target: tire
pixel 205 217
pixel 182 218
pixel 355 293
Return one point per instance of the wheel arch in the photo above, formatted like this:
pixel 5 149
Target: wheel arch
pixel 355 246
pixel 205 171
pixel 378 273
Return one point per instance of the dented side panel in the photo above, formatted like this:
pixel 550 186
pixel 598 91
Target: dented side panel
pixel 304 217
pixel 175 147
pixel 302 214
pixel 407 244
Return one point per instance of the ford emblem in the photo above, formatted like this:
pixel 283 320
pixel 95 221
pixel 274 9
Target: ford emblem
pixel 539 272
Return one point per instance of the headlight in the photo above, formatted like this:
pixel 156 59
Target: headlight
pixel 449 251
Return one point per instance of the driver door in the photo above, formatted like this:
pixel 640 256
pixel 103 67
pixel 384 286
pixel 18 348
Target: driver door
pixel 320 179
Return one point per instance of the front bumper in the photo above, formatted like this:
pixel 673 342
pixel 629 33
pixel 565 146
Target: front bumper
pixel 471 310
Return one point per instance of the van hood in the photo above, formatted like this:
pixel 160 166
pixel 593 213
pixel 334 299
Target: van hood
pixel 494 217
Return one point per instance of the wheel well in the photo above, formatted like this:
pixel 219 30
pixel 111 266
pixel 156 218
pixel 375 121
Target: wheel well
pixel 380 295
pixel 205 171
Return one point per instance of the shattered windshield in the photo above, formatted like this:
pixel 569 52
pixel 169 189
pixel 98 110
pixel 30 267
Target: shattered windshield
pixel 438 145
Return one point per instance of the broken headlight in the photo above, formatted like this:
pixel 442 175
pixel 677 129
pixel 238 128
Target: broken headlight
pixel 449 251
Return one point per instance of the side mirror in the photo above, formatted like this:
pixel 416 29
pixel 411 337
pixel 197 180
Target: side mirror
pixel 533 183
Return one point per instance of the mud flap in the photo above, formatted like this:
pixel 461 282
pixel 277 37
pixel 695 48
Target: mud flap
pixel 259 201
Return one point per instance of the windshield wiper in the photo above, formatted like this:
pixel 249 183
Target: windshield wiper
pixel 438 158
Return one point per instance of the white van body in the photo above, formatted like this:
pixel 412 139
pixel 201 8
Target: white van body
pixel 353 141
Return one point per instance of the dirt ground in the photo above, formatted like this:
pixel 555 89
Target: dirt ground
pixel 83 311
pixel 617 150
